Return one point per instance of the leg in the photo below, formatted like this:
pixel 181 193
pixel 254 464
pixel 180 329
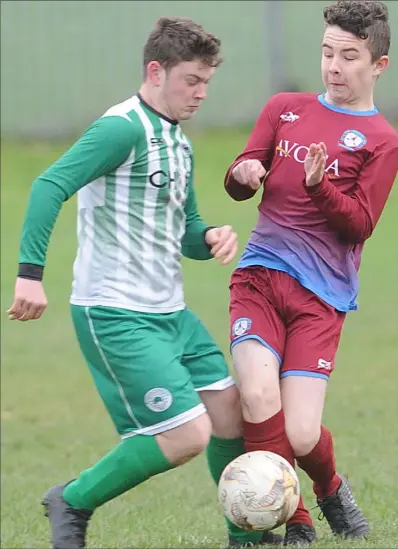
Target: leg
pixel 226 443
pixel 257 370
pixel 224 409
pixel 258 341
pixel 217 390
pixel 303 401
pixel 264 429
pixel 152 402
pixel 313 337
pixel 181 444
pixel 69 506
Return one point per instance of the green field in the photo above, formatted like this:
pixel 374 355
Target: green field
pixel 53 423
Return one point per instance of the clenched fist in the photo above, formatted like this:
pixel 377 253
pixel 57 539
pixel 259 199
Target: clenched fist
pixel 223 242
pixel 250 173
pixel 29 300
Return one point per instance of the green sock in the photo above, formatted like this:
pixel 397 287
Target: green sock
pixel 220 452
pixel 132 462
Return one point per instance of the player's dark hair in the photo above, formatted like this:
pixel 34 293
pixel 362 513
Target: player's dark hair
pixel 177 39
pixel 366 19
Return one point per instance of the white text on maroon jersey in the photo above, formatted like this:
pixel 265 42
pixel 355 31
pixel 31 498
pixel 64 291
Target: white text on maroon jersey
pixel 298 152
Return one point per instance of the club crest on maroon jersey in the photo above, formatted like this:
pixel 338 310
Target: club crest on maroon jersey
pixel 352 140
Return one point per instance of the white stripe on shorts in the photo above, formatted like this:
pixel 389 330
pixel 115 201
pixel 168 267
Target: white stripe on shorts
pixel 218 385
pixel 168 424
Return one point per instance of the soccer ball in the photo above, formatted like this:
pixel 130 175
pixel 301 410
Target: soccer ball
pixel 259 491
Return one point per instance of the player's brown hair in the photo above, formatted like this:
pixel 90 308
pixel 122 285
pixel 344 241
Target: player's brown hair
pixel 366 19
pixel 177 39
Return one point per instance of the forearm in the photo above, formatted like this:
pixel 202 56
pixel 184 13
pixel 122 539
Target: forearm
pixel 194 245
pixel 44 205
pixel 344 213
pixel 260 146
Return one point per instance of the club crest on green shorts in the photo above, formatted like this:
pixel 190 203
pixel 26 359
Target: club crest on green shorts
pixel 158 399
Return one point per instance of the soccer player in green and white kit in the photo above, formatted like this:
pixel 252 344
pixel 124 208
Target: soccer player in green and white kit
pixel 161 376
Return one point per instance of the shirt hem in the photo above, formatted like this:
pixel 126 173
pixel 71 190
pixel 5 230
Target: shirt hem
pixel 83 302
pixel 270 265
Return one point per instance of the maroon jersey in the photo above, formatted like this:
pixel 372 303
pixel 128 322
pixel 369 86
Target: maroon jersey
pixel 317 234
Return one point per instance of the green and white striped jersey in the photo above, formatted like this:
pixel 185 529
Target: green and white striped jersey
pixel 133 174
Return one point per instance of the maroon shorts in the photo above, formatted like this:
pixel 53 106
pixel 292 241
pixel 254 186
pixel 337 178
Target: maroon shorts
pixel 295 324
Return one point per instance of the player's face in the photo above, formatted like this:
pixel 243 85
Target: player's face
pixel 347 69
pixel 184 87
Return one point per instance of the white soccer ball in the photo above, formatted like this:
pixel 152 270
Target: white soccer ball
pixel 259 491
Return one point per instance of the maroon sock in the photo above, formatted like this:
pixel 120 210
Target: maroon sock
pixel 270 436
pixel 320 466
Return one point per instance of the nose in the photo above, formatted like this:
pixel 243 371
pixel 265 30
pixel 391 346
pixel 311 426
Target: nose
pixel 201 91
pixel 334 66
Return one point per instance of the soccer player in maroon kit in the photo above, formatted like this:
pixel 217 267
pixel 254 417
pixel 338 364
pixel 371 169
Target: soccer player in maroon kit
pixel 328 163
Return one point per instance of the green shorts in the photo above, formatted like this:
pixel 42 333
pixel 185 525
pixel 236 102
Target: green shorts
pixel 148 368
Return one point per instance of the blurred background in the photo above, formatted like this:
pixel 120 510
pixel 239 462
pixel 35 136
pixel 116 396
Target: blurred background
pixel 64 62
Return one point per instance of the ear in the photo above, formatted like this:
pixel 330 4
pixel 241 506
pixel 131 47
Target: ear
pixel 154 73
pixel 381 64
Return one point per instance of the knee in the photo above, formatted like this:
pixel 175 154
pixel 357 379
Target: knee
pixel 183 443
pixel 259 402
pixel 302 436
pixel 257 370
pixel 198 435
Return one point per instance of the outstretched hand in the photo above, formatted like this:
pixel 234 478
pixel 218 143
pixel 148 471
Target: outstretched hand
pixel 315 164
